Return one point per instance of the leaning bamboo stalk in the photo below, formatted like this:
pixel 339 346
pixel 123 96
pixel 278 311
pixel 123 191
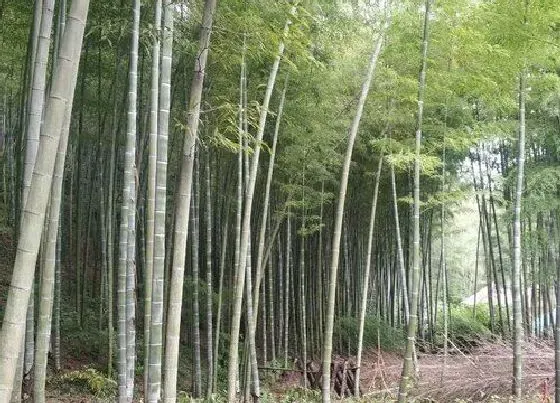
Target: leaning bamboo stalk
pixel 337 232
pixel 33 130
pixel 365 284
pixel 249 192
pixel 60 96
pixel 48 274
pixel 38 86
pixel 262 232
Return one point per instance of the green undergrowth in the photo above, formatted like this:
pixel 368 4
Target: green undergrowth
pixel 376 334
pixel 300 395
pixel 293 395
pixel 88 381
pixel 465 329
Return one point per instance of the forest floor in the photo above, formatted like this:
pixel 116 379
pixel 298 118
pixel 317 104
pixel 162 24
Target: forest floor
pixel 482 375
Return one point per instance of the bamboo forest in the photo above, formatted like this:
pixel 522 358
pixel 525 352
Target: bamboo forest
pixel 279 201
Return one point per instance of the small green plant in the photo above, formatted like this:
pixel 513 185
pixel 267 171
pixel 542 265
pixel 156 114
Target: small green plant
pixel 95 382
pixel 184 397
pixel 301 395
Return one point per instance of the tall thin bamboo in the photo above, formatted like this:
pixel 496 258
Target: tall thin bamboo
pixel 182 207
pixel 249 192
pixel 156 330
pixel 151 190
pixel 408 365
pixel 335 252
pixel 366 280
pixel 516 271
pixel 125 286
pixel 209 292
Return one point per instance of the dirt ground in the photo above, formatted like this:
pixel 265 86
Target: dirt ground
pixel 482 375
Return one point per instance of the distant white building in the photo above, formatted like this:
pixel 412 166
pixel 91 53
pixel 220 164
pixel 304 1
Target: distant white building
pixel 481 297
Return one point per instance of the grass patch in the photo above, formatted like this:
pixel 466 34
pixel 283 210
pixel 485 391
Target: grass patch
pixel 88 381
pixel 346 334
pixel 466 329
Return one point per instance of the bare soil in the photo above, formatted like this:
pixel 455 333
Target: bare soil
pixel 483 374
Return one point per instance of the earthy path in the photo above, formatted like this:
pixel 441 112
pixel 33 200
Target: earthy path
pixel 482 375
pixel 478 376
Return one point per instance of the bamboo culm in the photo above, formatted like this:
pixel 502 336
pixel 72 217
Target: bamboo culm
pixel 408 365
pixel 337 231
pixel 125 286
pixel 156 326
pixel 182 207
pixel 60 96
